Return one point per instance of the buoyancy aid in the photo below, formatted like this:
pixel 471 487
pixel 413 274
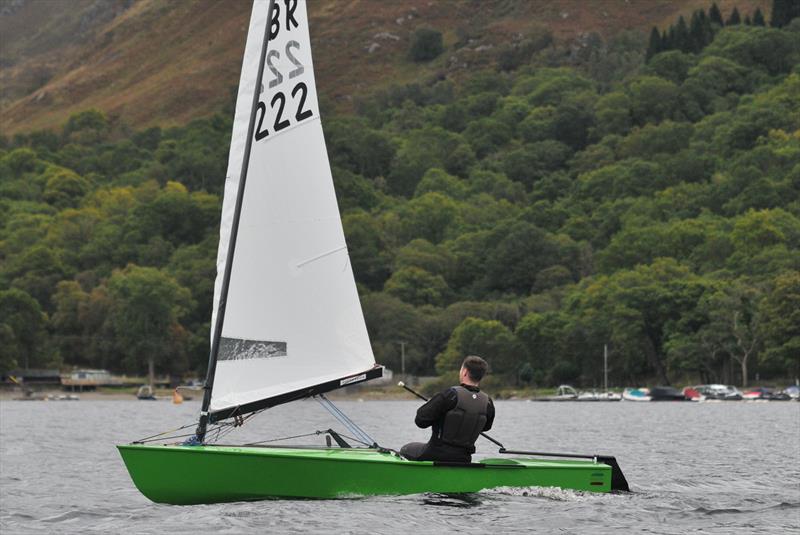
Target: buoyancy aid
pixel 464 422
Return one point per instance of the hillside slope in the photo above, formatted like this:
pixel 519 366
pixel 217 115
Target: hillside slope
pixel 156 62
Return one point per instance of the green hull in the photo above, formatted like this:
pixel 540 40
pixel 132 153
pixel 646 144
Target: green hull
pixel 184 475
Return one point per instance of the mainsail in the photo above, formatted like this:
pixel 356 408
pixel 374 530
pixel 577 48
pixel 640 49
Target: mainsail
pixel 292 321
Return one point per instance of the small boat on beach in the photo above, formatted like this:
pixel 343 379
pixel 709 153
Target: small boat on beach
pixel 793 391
pixel 563 393
pixel 693 394
pixel 636 394
pixel 657 393
pixel 762 393
pixel 146 393
pixel 718 392
pixel 599 396
pixel 666 393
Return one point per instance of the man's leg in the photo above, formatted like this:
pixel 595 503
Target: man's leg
pixel 413 451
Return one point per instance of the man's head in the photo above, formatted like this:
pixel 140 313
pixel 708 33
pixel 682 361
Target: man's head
pixel 473 369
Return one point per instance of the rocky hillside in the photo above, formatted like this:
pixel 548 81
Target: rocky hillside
pixel 160 62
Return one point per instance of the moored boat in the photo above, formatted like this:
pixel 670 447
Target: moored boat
pixel 599 396
pixel 636 394
pixel 761 393
pixel 719 392
pixel 666 393
pixel 563 393
pixel 146 392
pixel 693 394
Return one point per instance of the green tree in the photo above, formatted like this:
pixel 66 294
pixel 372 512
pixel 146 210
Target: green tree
pixel 533 161
pixel 734 18
pixel 543 337
pixel 19 161
pixel 636 311
pixel 22 327
pixel 69 301
pixel 426 44
pixel 700 33
pixel 36 271
pixel 654 45
pixel 762 49
pixel 672 65
pixel 682 40
pixel 353 145
pixel 86 128
pixel 417 286
pixel 783 11
pixel 780 325
pixel 8 348
pixel 612 114
pixel 147 307
pixel 758 18
pixel 433 217
pixel 353 191
pixel 365 242
pixel 715 16
pixel 64 188
pixel 389 322
pixel 653 99
pixel 438 180
pixel 734 323
pixel 430 147
pixel 490 339
pixel 420 253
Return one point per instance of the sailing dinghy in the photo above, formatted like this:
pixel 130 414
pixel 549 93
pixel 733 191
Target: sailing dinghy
pixel 287 320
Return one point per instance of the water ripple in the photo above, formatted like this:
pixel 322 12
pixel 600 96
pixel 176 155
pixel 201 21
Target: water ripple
pixel 707 469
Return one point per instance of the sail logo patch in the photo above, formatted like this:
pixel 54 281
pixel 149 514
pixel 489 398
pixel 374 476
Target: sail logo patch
pixel 241 349
pixel 355 379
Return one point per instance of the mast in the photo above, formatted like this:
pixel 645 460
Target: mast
pixel 605 367
pixel 200 433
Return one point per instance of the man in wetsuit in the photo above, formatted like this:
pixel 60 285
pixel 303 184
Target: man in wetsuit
pixel 457 416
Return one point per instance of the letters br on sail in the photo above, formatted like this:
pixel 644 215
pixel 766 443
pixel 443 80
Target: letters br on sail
pixel 292 315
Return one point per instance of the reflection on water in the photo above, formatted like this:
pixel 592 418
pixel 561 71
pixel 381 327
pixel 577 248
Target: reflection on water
pixel 712 468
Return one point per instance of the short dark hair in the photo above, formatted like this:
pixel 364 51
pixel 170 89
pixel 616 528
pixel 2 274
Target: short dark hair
pixel 476 367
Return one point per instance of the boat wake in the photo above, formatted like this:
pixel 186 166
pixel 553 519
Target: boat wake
pixel 549 493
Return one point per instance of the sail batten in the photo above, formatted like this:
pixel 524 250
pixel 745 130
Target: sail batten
pixel 292 319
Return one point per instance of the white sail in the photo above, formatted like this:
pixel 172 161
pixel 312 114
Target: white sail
pixel 293 319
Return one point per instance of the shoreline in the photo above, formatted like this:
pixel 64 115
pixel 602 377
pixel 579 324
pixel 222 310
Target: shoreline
pixel 166 395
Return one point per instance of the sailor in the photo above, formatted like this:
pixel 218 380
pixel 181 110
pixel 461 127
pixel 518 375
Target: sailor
pixel 457 417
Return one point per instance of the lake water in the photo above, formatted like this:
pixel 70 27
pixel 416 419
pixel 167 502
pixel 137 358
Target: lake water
pixel 711 468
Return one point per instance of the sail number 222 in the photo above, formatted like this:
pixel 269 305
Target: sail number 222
pixel 277 104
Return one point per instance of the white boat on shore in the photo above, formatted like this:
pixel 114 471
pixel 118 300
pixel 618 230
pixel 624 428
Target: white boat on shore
pixel 599 396
pixel 636 394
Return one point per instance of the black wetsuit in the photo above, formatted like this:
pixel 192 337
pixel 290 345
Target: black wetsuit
pixel 434 414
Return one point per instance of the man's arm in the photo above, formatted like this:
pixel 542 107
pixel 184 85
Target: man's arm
pixel 489 416
pixel 432 411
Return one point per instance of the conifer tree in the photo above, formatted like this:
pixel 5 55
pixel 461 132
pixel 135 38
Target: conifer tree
pixel 682 41
pixel 734 19
pixel 783 11
pixel 758 18
pixel 700 32
pixel 747 21
pixel 666 39
pixel 654 45
pixel 715 16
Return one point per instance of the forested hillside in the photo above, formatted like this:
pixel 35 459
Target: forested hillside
pixel 531 213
